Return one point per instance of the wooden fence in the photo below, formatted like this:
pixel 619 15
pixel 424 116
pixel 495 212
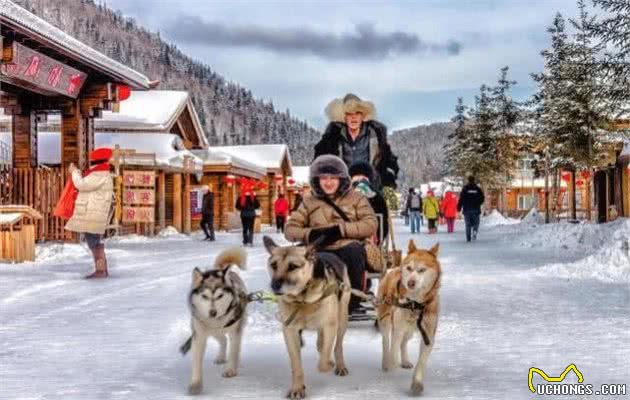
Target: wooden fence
pixel 39 188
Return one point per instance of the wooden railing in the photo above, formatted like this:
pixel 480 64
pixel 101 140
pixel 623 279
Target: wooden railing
pixel 39 188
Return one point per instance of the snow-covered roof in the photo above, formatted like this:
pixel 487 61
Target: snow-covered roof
pixel 301 175
pixel 36 28
pixel 212 156
pixel 168 148
pixel 153 110
pixel 270 156
pixel 10 218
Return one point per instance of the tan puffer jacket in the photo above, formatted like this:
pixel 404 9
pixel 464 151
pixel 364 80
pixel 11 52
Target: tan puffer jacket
pixel 316 213
pixel 93 205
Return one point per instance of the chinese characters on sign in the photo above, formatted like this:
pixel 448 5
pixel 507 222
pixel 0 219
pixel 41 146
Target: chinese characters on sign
pixel 138 197
pixel 39 70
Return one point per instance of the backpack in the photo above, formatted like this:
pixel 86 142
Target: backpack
pixel 415 201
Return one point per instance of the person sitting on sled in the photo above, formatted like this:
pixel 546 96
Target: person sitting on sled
pixel 337 217
pixel 354 135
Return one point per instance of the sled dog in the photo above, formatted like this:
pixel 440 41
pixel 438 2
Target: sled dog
pixel 408 300
pixel 313 292
pixel 217 301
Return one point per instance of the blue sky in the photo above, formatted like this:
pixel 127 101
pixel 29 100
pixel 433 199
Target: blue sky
pixel 411 58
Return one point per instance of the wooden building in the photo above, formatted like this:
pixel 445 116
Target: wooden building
pixel 276 161
pixel 44 70
pixel 222 173
pixel 154 132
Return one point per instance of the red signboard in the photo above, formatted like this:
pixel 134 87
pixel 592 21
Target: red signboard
pixel 144 197
pixel 138 214
pixel 33 68
pixel 139 178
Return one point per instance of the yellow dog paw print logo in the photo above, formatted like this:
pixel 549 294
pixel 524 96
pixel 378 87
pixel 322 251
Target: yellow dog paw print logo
pixel 554 379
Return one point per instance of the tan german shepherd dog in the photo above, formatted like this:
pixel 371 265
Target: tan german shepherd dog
pixel 313 293
pixel 409 300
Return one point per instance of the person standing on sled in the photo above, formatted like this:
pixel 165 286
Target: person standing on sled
pixel 93 206
pixel 470 201
pixel 339 216
pixel 207 214
pixel 354 135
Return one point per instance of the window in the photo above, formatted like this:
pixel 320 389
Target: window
pixel 525 201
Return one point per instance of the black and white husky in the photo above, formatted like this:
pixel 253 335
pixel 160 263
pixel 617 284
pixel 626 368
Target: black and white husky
pixel 218 301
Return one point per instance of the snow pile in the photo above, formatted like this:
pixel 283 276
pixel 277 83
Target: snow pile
pixel 497 219
pixel 611 263
pixel 51 253
pixel 585 238
pixel 533 217
pixel 168 233
pixel 171 232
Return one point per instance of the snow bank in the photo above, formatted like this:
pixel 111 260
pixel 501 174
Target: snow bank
pixel 169 233
pixel 584 237
pixel 51 253
pixel 533 217
pixel 611 263
pixel 497 219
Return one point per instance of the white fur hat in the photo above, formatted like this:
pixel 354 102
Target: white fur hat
pixel 350 103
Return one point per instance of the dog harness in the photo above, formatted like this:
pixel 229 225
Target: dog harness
pixel 330 289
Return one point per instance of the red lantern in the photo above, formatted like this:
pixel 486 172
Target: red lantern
pixel 579 183
pixel 278 178
pixel 566 176
pixel 586 174
pixel 123 92
pixel 291 181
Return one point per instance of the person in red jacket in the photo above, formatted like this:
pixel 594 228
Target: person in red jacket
pixel 281 210
pixel 449 210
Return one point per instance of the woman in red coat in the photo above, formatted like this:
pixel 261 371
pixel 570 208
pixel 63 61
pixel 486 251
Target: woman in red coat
pixel 449 210
pixel 281 210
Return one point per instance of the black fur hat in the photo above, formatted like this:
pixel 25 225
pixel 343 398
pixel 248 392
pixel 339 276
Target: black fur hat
pixel 329 165
pixel 362 168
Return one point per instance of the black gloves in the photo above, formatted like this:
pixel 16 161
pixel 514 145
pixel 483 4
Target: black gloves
pixel 324 236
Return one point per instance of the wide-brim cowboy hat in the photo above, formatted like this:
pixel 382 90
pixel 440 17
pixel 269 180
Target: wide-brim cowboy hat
pixel 349 104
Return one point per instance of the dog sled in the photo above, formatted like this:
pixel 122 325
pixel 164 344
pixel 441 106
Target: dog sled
pixel 381 258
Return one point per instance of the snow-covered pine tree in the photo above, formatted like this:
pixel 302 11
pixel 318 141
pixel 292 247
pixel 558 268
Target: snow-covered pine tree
pixel 613 29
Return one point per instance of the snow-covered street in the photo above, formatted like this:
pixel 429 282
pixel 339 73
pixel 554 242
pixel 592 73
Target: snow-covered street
pixel 515 299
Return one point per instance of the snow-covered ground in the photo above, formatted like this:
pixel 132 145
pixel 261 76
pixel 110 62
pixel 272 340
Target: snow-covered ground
pixel 523 295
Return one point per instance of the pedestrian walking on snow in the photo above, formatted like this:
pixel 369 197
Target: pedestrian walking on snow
pixel 414 209
pixel 207 214
pixel 431 210
pixel 281 211
pixel 470 201
pixel 449 210
pixel 248 204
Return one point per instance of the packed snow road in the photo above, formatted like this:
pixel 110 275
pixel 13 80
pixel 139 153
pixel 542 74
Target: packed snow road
pixel 62 337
